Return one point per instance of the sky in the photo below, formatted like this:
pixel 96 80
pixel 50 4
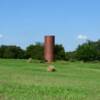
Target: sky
pixel 73 22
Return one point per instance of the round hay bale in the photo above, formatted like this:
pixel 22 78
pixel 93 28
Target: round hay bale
pixel 29 60
pixel 51 68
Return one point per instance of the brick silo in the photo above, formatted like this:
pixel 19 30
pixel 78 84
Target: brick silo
pixel 49 48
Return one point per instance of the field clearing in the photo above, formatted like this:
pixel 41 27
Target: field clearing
pixel 20 80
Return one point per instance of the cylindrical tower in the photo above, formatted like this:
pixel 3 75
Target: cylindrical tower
pixel 49 48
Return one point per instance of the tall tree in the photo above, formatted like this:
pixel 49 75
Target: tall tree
pixel 59 52
pixel 35 51
pixel 87 51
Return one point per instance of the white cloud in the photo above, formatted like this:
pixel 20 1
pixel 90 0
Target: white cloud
pixel 1 36
pixel 82 37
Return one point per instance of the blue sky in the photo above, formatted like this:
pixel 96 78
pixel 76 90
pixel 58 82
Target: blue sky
pixel 24 22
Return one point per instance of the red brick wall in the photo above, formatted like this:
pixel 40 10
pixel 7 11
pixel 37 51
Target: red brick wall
pixel 49 48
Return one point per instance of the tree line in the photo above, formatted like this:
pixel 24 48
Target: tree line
pixel 89 51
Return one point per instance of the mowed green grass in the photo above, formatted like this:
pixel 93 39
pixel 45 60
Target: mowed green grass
pixel 20 80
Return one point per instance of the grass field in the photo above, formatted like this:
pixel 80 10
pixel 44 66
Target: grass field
pixel 20 80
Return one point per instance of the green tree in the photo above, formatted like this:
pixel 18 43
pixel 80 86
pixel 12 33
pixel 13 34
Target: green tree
pixel 59 52
pixel 70 56
pixel 87 52
pixel 35 51
pixel 2 50
pixel 11 52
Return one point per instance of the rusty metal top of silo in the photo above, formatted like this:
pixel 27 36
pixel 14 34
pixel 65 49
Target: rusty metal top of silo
pixel 50 36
